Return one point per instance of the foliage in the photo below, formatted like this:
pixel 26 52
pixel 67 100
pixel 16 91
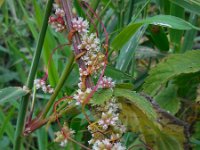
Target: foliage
pixel 153 59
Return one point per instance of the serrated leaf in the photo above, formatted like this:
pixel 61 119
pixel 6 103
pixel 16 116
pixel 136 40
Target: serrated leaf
pixel 101 96
pixel 168 100
pixel 172 66
pixel 116 74
pixel 11 93
pixel 165 132
pixel 139 101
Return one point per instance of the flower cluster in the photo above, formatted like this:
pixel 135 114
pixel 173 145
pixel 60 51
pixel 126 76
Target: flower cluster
pixel 107 145
pixel 106 82
pixel 57 21
pixel 80 96
pixel 41 84
pixel 61 136
pixel 107 119
pixel 80 25
pixel 108 125
pixel 90 43
pixel 92 57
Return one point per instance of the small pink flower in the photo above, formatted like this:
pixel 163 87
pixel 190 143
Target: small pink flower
pixel 80 25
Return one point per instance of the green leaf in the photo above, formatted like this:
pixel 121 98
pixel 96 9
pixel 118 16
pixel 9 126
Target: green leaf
pixel 138 100
pixel 125 35
pixel 176 35
pixel 172 66
pixel 101 96
pixel 190 5
pixel 169 21
pixel 116 74
pixel 42 138
pixel 168 100
pixel 159 37
pixel 11 93
pixel 161 20
pixel 6 125
pixel 128 50
pixel 157 128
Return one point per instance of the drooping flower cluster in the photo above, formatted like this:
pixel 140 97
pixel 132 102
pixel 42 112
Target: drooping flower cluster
pixel 61 136
pixel 108 130
pixel 57 21
pixel 41 84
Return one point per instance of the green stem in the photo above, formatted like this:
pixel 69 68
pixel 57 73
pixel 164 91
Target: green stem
pixel 130 13
pixel 29 84
pixel 63 77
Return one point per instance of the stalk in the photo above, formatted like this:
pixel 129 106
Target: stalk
pixel 67 7
pixel 29 84
pixel 63 77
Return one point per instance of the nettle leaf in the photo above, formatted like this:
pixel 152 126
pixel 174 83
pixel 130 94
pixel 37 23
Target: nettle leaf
pixel 161 20
pixel 116 74
pixel 169 68
pixel 139 101
pixel 157 128
pixel 101 96
pixel 11 93
pixel 168 100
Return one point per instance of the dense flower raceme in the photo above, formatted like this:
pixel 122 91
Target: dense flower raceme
pixel 108 125
pixel 107 130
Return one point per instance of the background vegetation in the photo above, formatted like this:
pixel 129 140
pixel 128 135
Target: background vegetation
pixel 153 52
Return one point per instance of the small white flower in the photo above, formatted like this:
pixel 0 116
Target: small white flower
pixel 90 43
pixel 118 146
pixel 60 12
pixel 106 82
pixel 44 88
pixel 80 96
pixel 107 119
pixel 63 143
pixel 80 25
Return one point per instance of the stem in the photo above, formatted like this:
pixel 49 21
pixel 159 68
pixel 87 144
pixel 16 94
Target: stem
pixel 29 84
pixel 67 7
pixel 63 77
pixel 38 123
